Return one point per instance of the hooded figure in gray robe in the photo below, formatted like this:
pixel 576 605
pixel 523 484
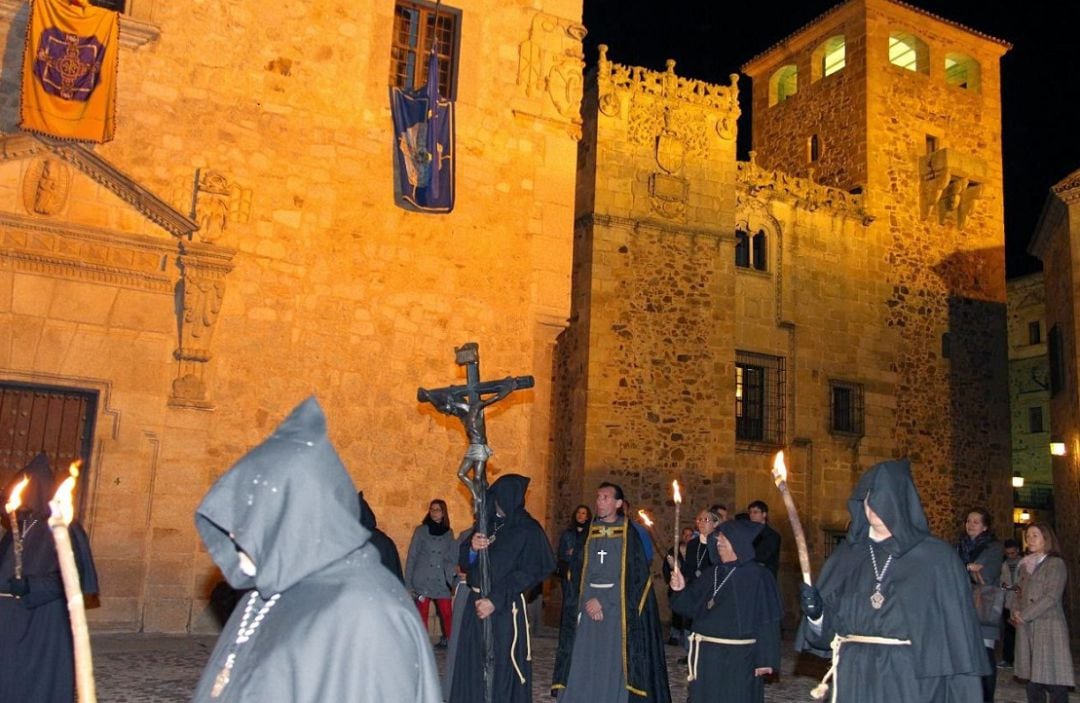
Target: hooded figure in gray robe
pixel 325 621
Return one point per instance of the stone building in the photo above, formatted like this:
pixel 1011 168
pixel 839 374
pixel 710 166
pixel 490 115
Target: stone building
pixel 166 298
pixel 840 296
pixel 1057 231
pixel 1029 399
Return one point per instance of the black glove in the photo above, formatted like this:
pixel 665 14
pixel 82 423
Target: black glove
pixel 18 587
pixel 810 600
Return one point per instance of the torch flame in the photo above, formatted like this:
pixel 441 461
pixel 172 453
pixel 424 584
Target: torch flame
pixel 16 495
pixel 645 518
pixel 62 506
pixel 779 469
pixel 675 489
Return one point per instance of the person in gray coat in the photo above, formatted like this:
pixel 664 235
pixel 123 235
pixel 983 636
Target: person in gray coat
pixel 1042 637
pixel 429 567
pixel 983 555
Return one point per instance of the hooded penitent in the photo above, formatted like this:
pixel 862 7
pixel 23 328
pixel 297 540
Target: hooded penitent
pixel 36 657
pixel 388 553
pixel 326 621
pixel 926 598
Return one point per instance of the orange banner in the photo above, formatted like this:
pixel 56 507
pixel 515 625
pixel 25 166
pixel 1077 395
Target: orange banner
pixel 69 71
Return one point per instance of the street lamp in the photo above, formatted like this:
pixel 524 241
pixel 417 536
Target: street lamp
pixel 1017 480
pixel 1057 448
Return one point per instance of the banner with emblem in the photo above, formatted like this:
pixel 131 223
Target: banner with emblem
pixel 69 70
pixel 423 146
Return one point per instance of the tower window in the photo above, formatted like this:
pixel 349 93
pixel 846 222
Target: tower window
pixel 909 52
pixel 962 71
pixel 751 252
pixel 415 29
pixel 813 148
pixel 1035 420
pixel 783 84
pixel 830 57
pixel 1034 332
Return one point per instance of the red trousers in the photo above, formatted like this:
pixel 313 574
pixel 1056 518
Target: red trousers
pixel 444 606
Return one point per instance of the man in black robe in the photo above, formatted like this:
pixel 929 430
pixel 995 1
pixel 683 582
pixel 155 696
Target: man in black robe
pixel 37 658
pixel 736 612
pixel 893 582
pixel 325 621
pixel 388 552
pixel 519 557
pixel 767 544
pixel 611 648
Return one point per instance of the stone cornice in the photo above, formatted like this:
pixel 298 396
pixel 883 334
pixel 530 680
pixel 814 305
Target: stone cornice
pixel 16 146
pixel 134 32
pixel 1068 189
pixel 633 224
pixel 802 192
pixel 614 77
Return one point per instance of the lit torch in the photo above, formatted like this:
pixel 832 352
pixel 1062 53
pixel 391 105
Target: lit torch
pixel 648 523
pixel 645 520
pixel 63 511
pixel 779 473
pixel 677 497
pixel 12 507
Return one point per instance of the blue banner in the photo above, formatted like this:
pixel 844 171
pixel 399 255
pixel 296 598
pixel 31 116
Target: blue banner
pixel 424 146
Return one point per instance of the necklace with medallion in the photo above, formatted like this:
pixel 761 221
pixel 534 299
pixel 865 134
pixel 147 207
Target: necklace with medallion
pixel 716 589
pixel 877 598
pixel 243 634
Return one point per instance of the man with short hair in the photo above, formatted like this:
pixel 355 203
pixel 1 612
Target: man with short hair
pixel 767 544
pixel 611 648
pixel 721 511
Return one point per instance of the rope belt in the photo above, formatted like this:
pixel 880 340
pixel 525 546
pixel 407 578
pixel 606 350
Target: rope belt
pixel 513 642
pixel 839 641
pixel 696 638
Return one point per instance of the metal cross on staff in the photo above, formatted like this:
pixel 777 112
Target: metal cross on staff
pixel 467 403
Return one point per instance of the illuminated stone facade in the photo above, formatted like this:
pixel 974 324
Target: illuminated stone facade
pixel 868 322
pixel 236 248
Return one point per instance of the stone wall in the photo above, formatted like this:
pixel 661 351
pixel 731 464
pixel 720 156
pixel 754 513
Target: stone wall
pixel 332 290
pixel 1029 379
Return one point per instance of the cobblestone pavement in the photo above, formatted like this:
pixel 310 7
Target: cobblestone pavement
pixel 135 668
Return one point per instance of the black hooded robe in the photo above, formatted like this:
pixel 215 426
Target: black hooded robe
pixel 746 606
pixel 927 600
pixel 341 627
pixel 520 557
pixel 388 551
pixel 645 665
pixel 37 657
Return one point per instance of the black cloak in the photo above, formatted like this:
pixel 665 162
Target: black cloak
pixel 520 557
pixel 643 642
pixel 927 600
pixel 388 552
pixel 341 627
pixel 37 659
pixel 745 606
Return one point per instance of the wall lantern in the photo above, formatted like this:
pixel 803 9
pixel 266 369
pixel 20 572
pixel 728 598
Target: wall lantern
pixel 1057 448
pixel 1025 516
pixel 1017 480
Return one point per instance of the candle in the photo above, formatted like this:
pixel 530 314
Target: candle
pixel 677 497
pixel 63 511
pixel 12 507
pixel 779 472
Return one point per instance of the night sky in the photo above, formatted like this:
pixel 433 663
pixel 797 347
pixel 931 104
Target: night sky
pixel 1040 88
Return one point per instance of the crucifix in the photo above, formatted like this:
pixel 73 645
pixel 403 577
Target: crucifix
pixel 467 403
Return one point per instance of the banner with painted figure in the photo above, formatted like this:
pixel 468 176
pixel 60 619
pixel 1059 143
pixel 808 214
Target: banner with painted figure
pixel 423 146
pixel 69 70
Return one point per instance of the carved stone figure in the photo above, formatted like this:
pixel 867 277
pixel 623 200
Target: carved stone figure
pixel 46 186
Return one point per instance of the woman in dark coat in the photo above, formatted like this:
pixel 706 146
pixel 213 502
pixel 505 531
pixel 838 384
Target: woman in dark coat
pixel 37 660
pixel 736 612
pixel 983 555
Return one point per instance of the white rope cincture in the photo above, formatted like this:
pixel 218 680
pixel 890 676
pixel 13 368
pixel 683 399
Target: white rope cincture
pixel 838 641
pixel 513 643
pixel 528 631
pixel 696 638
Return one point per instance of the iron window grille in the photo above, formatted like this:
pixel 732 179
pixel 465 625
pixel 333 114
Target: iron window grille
pixel 415 28
pixel 759 398
pixel 846 408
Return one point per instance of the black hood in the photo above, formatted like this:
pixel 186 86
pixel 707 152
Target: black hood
pixel 37 494
pixel 890 491
pixel 367 515
pixel 741 534
pixel 289 505
pixel 509 492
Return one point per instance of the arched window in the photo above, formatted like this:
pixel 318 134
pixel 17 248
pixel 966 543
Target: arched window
pixel 908 51
pixel 830 57
pixel 751 252
pixel 783 84
pixel 962 71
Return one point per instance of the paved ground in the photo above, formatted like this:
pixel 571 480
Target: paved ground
pixel 162 669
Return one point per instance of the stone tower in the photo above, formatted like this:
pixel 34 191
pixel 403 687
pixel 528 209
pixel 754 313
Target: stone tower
pixel 880 98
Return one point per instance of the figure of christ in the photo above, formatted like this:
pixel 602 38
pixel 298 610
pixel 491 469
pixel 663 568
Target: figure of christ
pixel 610 649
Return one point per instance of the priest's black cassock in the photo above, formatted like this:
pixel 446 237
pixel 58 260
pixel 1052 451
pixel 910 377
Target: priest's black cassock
pixel 326 622
pixel 737 600
pixel 520 557
pixel 926 599
pixel 632 636
pixel 37 660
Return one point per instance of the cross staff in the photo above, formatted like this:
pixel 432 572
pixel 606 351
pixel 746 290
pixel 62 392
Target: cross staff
pixel 467 403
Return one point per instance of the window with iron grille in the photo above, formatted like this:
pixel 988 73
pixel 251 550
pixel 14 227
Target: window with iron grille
pixel 846 408
pixel 1035 419
pixel 759 398
pixel 415 28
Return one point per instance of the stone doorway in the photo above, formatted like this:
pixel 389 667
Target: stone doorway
pixel 57 421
